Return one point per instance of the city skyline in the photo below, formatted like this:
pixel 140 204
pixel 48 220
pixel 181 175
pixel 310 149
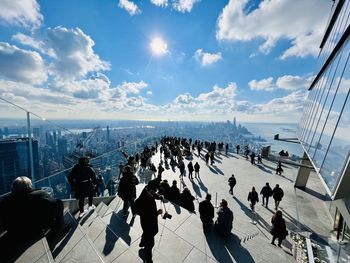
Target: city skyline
pixel 160 60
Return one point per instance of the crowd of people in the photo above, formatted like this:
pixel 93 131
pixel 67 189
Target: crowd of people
pixel 173 152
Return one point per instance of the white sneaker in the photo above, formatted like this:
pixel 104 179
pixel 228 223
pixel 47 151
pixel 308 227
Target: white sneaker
pixel 82 214
pixel 92 207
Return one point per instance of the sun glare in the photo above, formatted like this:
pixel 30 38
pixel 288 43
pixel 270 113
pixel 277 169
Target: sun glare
pixel 158 46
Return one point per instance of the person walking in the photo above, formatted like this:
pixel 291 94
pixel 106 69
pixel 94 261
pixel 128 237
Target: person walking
pixel 82 180
pixel 127 190
pixel 253 197
pixel 146 208
pixel 212 158
pixel 174 193
pixel 207 156
pixel 277 194
pixel 226 148
pixel 278 230
pixel 196 170
pixel 206 211
pixel 182 169
pixel 279 169
pixel 231 182
pixel 224 221
pixel 266 192
pixel 190 170
pixel 160 171
pixel 101 186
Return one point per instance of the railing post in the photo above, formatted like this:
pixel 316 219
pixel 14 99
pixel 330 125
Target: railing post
pixel 31 159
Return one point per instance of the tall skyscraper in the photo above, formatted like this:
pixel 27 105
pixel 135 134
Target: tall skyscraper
pixel 15 161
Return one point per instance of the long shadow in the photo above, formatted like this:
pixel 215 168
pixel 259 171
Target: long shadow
pixel 218 170
pixel 261 167
pixel 244 208
pixel 288 179
pixel 318 195
pixel 227 249
pixel 261 221
pixel 196 189
pixel 116 229
pixel 212 170
pixel 202 186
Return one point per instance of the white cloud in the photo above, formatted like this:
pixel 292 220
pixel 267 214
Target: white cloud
pixel 286 82
pixel 270 22
pixel 149 93
pixel 130 7
pixel 161 3
pixel 207 59
pixel 132 87
pixel 184 6
pixel 21 65
pixel 24 13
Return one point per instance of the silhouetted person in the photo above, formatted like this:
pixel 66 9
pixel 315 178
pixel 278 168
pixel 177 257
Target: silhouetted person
pixel 237 148
pixel 127 190
pixel 182 168
pixel 212 158
pixel 174 193
pixel 253 198
pixel 111 187
pixel 207 156
pixel 279 169
pixel 196 170
pixel 164 188
pixel 206 211
pixel 231 182
pixel 25 215
pixel 160 171
pixel 100 187
pixel 277 194
pixel 266 192
pixel 82 180
pixel 252 158
pixel 147 209
pixel 259 158
pixel 278 229
pixel 223 224
pixel 186 200
pixel 190 170
pixel 226 148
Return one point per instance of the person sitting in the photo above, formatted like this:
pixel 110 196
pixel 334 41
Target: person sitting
pixel 186 200
pixel 26 214
pixel 223 224
pixel 206 211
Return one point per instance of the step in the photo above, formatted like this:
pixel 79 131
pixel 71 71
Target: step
pixel 37 252
pixel 74 246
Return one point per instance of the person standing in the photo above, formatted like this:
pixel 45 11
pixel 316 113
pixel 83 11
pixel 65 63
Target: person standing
pixel 206 211
pixel 223 223
pixel 147 209
pixel 226 148
pixel 252 158
pixel 212 158
pixel 277 194
pixel 186 200
pixel 190 170
pixel 278 230
pixel 82 180
pixel 266 192
pixel 231 183
pixel 253 197
pixel 127 190
pixel 160 171
pixel 207 156
pixel 238 148
pixel 182 168
pixel 196 170
pixel 174 193
pixel 101 186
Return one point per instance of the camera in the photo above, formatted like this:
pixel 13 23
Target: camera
pixel 167 216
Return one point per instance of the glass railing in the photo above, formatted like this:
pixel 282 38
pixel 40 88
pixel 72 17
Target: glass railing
pixel 105 165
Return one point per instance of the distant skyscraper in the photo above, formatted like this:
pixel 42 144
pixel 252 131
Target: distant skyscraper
pixel 108 134
pixel 15 161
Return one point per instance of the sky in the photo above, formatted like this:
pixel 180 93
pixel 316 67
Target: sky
pixel 189 60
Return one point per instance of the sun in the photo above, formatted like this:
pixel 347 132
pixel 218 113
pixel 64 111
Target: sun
pixel 158 46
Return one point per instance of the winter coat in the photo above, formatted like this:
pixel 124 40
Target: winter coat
pixel 196 167
pixel 186 201
pixel 277 194
pixel 278 228
pixel 232 181
pixel 223 223
pixel 206 211
pixel 174 194
pixel 82 180
pixel 190 167
pixel 127 186
pixel 266 191
pixel 253 197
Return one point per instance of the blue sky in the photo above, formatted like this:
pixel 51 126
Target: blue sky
pixel 210 59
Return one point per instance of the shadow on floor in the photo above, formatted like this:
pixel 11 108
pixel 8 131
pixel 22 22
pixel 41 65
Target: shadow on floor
pixel 262 167
pixel 227 249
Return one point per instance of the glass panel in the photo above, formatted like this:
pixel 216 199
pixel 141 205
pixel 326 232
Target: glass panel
pixel 338 152
pixel 14 145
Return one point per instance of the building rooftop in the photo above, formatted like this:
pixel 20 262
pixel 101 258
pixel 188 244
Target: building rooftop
pixel 105 236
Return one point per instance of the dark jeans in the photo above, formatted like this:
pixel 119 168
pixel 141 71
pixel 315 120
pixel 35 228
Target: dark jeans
pixel 265 200
pixel 147 240
pixel 81 202
pixel 126 206
pixel 231 190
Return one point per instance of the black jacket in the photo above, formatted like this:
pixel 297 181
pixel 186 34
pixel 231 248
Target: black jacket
pixel 266 191
pixel 277 194
pixel 232 181
pixel 206 211
pixel 82 180
pixel 127 186
pixel 278 228
pixel 253 197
